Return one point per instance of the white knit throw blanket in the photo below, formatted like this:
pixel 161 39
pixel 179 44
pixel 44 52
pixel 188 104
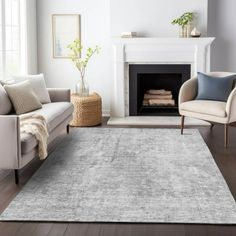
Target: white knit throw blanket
pixel 37 126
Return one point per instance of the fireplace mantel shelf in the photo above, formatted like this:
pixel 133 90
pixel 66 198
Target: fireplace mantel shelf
pixel 161 40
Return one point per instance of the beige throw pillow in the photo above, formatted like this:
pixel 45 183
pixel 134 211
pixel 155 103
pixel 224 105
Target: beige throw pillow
pixel 23 97
pixel 5 103
pixel 38 85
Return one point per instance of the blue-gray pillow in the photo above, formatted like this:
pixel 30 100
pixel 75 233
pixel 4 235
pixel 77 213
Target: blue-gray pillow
pixel 214 88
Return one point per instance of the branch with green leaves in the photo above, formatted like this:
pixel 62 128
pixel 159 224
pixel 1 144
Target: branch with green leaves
pixel 183 20
pixel 76 55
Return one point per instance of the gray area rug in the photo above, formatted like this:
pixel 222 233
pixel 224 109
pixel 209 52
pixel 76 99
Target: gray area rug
pixel 127 175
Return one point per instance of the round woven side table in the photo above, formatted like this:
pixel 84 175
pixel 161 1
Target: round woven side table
pixel 87 110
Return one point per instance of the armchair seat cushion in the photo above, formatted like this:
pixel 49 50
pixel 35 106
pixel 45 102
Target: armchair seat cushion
pixel 214 108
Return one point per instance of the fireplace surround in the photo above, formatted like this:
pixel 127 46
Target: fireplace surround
pixel 194 52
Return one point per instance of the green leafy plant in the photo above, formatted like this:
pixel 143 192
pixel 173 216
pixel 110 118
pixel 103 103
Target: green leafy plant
pixel 76 56
pixel 184 20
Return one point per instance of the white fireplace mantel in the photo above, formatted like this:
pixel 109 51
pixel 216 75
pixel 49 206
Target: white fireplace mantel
pixel 126 51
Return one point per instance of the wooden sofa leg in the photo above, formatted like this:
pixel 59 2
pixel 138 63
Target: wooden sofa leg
pixel 226 135
pixel 16 174
pixel 212 126
pixel 68 129
pixel 182 124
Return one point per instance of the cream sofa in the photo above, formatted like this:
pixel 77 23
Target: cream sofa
pixel 212 111
pixel 17 150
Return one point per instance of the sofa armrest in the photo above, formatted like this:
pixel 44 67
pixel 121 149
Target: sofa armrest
pixel 59 94
pixel 231 107
pixel 188 90
pixel 10 146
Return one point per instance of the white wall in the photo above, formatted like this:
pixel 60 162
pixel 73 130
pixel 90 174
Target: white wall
pixel 31 28
pixel 95 23
pixel 152 18
pixel 222 25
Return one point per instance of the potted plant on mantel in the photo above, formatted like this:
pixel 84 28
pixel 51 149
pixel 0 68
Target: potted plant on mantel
pixel 184 23
pixel 82 88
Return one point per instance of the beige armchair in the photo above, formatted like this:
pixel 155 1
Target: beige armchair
pixel 211 111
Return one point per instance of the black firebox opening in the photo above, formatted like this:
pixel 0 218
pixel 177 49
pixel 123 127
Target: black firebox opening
pixel 154 89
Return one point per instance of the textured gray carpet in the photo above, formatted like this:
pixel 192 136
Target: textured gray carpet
pixel 127 175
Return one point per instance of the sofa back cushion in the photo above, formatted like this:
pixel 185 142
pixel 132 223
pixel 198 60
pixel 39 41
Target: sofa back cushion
pixel 214 88
pixel 38 84
pixel 23 97
pixel 5 103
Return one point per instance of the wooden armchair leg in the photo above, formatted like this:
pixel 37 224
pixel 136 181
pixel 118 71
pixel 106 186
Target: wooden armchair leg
pixel 182 124
pixel 226 135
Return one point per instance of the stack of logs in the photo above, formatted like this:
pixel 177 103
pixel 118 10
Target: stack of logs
pixel 158 97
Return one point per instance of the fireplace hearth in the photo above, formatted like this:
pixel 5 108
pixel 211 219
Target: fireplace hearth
pixel 154 89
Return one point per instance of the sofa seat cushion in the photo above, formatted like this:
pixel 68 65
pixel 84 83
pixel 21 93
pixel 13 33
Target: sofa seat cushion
pixel 54 113
pixel 213 108
pixel 28 142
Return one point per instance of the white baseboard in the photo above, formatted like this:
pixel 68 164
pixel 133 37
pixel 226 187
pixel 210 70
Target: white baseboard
pixel 106 113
